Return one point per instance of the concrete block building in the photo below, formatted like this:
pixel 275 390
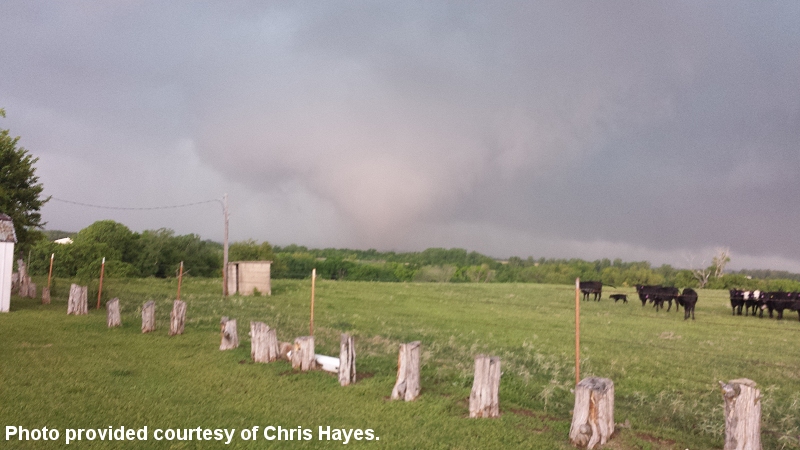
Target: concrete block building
pixel 244 277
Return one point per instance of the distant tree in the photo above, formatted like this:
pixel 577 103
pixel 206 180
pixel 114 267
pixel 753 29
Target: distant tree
pixel 701 274
pixel 250 250
pixel 161 253
pixel 438 274
pixel 720 260
pixel 20 190
pixel 482 273
pixel 685 278
pixel 121 241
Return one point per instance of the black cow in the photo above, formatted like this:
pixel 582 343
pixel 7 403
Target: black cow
pixel 666 294
pixel 679 302
pixel 592 287
pixel 795 305
pixel 737 301
pixel 657 295
pixel 689 299
pixel 780 301
pixel 616 297
pixel 645 293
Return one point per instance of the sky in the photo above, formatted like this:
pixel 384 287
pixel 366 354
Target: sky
pixel 655 131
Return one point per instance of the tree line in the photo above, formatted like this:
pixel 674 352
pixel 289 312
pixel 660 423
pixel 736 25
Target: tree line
pixel 158 253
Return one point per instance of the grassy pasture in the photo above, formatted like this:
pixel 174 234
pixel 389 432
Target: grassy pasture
pixel 65 372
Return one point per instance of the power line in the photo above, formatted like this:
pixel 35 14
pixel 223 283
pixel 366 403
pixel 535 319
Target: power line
pixel 133 209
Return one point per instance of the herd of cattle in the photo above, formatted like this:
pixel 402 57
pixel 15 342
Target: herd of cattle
pixel 758 300
pixel 657 295
pixel 750 301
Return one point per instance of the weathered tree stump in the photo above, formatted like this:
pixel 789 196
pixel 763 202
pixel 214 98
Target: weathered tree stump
pixel 112 313
pixel 263 343
pixel 303 353
pixel 229 334
pixel 484 400
pixel 347 360
pixel 23 280
pixel 593 415
pixel 45 296
pixel 149 317
pixel 285 349
pixel 15 282
pixel 177 317
pixel 407 386
pixel 742 415
pixel 31 290
pixel 78 303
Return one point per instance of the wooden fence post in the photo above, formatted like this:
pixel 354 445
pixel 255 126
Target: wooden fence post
pixel 742 415
pixel 313 283
pixel 31 290
pixel 50 273
pixel 78 302
pixel 577 330
pixel 22 278
pixel 593 415
pixel 263 343
pixel 347 360
pixel 303 357
pixel 180 281
pixel 112 313
pixel 149 317
pixel 100 288
pixel 408 382
pixel 484 400
pixel 177 318
pixel 229 333
pixel 45 296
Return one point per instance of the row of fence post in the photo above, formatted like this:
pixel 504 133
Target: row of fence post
pixel 593 414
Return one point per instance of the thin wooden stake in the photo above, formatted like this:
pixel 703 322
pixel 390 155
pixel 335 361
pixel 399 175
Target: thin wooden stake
pixel 313 280
pixel 50 274
pixel 180 279
pixel 100 290
pixel 577 331
pixel 225 247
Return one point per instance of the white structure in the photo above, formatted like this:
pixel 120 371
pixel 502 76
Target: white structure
pixel 246 276
pixel 65 240
pixel 7 240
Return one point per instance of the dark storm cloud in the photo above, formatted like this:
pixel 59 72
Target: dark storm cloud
pixel 650 130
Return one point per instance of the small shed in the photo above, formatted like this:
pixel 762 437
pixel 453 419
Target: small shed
pixel 244 277
pixel 7 240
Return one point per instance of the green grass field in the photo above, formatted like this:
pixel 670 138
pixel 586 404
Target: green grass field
pixel 68 372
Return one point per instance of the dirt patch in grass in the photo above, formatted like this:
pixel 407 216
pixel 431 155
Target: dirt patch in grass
pixel 655 440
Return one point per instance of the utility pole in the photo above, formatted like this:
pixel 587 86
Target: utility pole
pixel 225 247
